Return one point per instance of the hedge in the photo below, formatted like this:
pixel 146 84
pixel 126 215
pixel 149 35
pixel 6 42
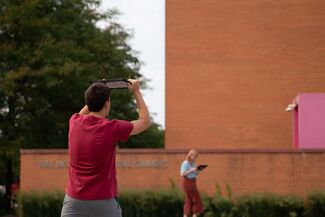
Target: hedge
pixel 270 205
pixel 161 203
pixel 40 204
pixel 152 203
pixel 169 202
pixel 315 206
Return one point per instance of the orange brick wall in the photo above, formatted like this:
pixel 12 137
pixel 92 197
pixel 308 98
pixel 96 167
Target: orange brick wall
pixel 280 171
pixel 33 177
pixel 232 67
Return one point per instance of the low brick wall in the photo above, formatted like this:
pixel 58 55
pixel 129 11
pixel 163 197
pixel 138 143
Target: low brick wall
pixel 245 171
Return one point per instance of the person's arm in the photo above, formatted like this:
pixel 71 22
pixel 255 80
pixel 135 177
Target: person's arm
pixel 143 121
pixel 193 169
pixel 84 110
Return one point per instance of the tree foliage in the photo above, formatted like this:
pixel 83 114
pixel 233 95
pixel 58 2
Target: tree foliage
pixel 49 50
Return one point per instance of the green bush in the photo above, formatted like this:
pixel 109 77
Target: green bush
pixel 152 203
pixel 315 205
pixel 269 205
pixel 169 202
pixel 218 206
pixel 134 203
pixel 35 204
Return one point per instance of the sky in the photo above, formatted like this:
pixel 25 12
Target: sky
pixel 146 20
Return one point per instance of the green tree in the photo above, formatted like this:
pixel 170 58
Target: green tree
pixel 49 50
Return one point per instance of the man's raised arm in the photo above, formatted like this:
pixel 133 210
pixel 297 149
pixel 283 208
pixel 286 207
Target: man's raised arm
pixel 84 110
pixel 143 121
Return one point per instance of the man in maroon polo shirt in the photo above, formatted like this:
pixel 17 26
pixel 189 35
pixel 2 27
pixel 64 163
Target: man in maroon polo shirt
pixel 92 186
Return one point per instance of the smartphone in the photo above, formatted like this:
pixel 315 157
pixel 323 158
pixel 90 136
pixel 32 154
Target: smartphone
pixel 117 83
pixel 201 167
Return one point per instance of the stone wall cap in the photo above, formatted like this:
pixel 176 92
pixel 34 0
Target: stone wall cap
pixel 184 151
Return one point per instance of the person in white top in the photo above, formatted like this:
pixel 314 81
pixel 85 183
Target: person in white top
pixel 192 203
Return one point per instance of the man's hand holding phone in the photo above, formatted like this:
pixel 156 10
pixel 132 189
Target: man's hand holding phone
pixel 134 85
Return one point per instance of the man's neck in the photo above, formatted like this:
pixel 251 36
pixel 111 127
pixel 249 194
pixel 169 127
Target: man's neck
pixel 98 114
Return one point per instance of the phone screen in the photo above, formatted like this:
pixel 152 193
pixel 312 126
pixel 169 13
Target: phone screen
pixel 117 84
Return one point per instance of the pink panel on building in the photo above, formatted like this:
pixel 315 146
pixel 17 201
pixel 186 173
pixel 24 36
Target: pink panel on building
pixel 309 121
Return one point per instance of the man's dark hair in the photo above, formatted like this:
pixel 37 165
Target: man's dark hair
pixel 96 96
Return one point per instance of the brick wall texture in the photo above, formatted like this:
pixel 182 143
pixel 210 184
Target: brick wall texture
pixel 280 171
pixel 232 67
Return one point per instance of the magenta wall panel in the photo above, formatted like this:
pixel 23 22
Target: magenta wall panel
pixel 309 121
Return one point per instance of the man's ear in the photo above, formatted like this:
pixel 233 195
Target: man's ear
pixel 107 105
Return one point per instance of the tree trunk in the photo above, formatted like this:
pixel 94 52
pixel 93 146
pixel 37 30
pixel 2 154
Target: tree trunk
pixel 8 181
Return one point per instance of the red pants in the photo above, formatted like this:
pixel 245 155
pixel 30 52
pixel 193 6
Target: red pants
pixel 192 203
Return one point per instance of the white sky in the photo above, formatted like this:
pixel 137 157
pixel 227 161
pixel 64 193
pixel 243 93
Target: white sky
pixel 146 20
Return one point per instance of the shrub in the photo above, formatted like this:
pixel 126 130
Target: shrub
pixel 218 206
pixel 152 203
pixel 134 203
pixel 169 202
pixel 315 204
pixel 269 205
pixel 35 204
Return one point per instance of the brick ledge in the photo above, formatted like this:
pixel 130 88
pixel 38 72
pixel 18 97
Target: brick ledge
pixel 183 151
